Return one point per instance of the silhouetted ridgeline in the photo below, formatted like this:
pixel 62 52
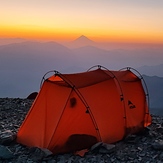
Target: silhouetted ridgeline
pixel 23 64
pixel 155 88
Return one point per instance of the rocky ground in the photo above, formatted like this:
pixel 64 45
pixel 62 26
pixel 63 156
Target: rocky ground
pixel 146 147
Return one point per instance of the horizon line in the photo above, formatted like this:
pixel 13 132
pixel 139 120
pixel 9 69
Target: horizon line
pixel 104 41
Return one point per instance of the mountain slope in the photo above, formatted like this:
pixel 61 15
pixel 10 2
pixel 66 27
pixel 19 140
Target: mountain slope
pixel 156 70
pixel 6 41
pixel 155 88
pixel 23 64
pixel 81 42
pixel 33 55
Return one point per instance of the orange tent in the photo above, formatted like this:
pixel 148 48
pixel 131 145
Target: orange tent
pixel 75 111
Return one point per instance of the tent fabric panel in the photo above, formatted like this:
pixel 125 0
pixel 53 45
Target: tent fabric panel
pixel 131 84
pixel 28 132
pixel 55 78
pixel 125 75
pixel 39 125
pixel 76 123
pixel 147 118
pixel 135 102
pixel 107 109
pixel 57 97
pixel 87 78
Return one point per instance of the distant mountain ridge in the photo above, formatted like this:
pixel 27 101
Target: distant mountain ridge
pixel 83 39
pixel 155 88
pixel 156 70
pixel 23 64
pixel 6 41
pixel 81 42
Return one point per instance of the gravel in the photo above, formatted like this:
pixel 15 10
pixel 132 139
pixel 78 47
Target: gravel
pixel 145 147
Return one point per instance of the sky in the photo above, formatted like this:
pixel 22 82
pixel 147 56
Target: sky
pixel 100 20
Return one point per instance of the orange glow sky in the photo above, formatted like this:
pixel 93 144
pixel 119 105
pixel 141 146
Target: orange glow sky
pixel 100 20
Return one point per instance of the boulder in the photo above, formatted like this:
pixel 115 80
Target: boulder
pixel 32 96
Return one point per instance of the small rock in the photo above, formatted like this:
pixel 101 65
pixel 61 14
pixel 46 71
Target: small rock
pixel 5 153
pixel 140 149
pixel 107 148
pixel 158 145
pixel 46 152
pixel 142 154
pixel 96 146
pixel 161 156
pixel 36 154
pixel 131 139
pixel 6 137
pixel 159 129
pixel 103 148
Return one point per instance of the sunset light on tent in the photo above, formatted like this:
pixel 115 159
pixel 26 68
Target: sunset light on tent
pixel 81 80
pixel 95 97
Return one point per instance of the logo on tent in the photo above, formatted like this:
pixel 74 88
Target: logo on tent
pixel 131 105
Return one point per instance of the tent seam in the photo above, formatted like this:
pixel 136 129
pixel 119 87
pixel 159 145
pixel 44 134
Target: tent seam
pixel 59 119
